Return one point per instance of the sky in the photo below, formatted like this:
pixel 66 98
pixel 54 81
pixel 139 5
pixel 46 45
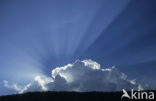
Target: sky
pixel 36 36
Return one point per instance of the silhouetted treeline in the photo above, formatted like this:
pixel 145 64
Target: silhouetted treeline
pixel 66 96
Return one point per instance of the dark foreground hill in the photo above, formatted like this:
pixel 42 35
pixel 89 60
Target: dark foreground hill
pixel 67 96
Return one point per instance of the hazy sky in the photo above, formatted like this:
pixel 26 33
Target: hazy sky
pixel 38 35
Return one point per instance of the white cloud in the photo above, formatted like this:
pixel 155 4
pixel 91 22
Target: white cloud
pixel 39 84
pixel 81 76
pixel 13 86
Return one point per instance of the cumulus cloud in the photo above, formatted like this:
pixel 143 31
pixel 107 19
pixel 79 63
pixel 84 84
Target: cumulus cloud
pixel 13 86
pixel 86 75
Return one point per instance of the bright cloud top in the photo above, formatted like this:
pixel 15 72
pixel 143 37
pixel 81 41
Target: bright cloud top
pixel 80 76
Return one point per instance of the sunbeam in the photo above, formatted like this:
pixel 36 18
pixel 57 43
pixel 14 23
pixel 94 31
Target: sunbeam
pixel 37 36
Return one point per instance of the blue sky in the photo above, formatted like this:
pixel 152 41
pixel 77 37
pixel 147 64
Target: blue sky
pixel 38 35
